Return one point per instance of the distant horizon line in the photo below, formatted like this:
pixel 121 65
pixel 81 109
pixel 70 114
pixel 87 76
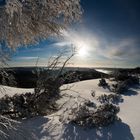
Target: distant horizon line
pixel 74 67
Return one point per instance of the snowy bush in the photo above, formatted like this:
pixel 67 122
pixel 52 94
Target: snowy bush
pixel 102 83
pixel 111 98
pixel 102 116
pixel 90 104
pixel 133 80
pixel 105 115
pixel 26 105
pixel 5 104
pixel 121 76
pixel 47 92
pixel 123 86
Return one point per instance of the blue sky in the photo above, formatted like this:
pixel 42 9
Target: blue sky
pixel 108 36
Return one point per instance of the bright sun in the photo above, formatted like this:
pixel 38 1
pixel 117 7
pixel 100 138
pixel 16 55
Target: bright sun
pixel 82 48
pixel 82 52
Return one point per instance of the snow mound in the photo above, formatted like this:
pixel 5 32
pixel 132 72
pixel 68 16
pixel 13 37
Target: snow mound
pixel 50 127
pixel 12 91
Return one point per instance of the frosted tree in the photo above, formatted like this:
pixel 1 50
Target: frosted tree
pixel 24 22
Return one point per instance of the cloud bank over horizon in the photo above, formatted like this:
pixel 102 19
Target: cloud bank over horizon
pixel 108 36
pixel 99 51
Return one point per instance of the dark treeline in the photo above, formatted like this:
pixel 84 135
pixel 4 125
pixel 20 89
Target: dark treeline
pixel 27 77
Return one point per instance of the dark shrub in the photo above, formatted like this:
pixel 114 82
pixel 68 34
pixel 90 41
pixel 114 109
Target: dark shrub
pixel 102 116
pixel 27 105
pixel 111 98
pixel 123 86
pixel 121 77
pixel 102 83
pixel 133 80
pixel 5 104
pixel 105 115
pixel 90 104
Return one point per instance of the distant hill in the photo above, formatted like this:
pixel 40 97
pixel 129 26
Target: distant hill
pixel 26 77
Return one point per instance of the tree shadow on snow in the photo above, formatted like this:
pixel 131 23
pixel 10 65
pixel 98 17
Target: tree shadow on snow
pixel 116 131
pixel 133 90
pixel 35 126
pixel 130 92
pixel 137 86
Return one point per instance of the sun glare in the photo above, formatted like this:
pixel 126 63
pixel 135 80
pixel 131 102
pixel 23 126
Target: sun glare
pixel 82 49
pixel 82 52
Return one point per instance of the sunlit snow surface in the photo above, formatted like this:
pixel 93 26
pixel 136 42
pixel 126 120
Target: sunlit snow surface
pixel 49 127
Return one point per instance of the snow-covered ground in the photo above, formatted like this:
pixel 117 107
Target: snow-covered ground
pixel 12 91
pixel 50 128
pixel 130 111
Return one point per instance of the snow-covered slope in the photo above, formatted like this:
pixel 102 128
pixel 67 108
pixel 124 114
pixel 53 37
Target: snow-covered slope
pixel 11 90
pixel 130 111
pixel 50 128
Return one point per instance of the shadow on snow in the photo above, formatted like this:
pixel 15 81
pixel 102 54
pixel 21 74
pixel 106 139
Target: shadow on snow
pixel 117 131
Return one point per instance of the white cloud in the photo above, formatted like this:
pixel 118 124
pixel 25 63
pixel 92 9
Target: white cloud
pixel 124 49
pixel 61 44
pixel 82 40
pixel 27 58
pixel 99 51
